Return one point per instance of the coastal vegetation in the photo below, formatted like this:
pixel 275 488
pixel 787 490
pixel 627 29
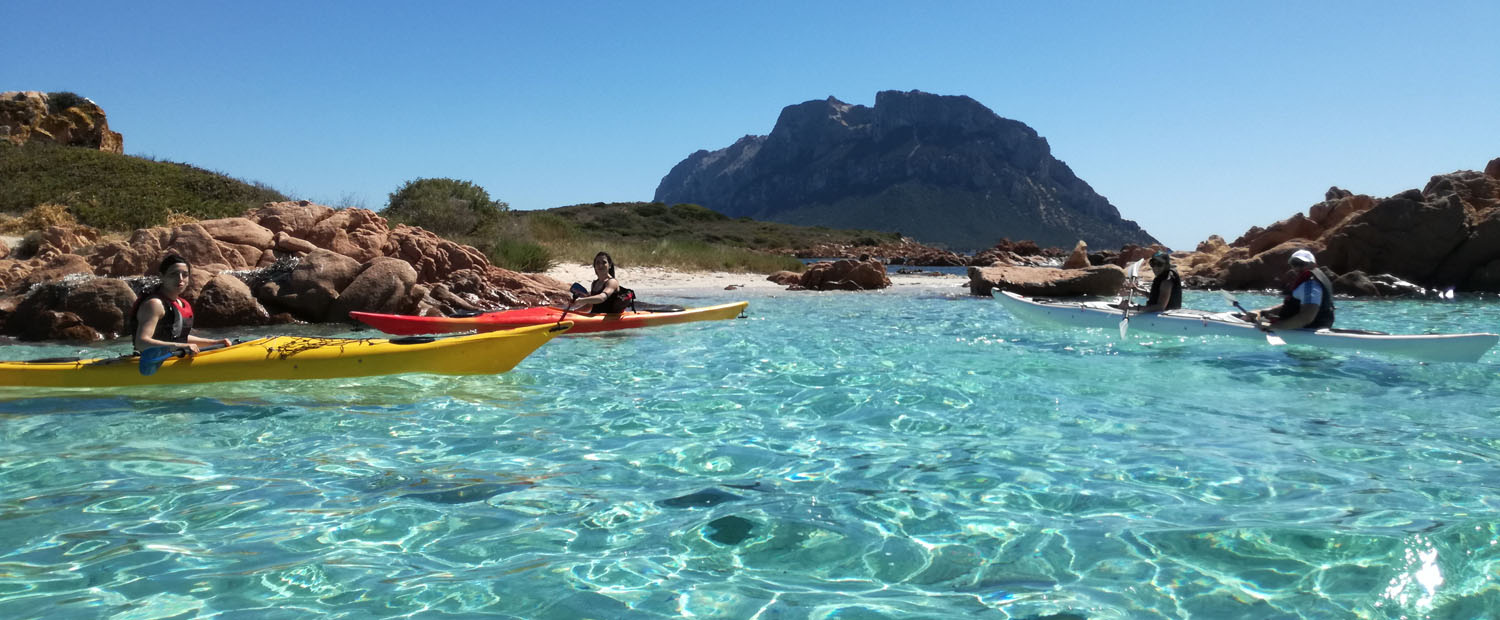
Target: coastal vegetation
pixel 682 236
pixel 119 193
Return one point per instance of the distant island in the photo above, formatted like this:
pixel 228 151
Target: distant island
pixel 938 169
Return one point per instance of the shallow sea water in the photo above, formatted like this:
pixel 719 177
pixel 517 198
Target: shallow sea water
pixel 912 453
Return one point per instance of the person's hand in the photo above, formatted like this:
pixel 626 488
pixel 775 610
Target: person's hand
pixel 189 348
pixel 224 342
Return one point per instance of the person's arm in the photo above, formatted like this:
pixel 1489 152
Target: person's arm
pixel 146 319
pixel 609 289
pixel 222 342
pixel 1303 318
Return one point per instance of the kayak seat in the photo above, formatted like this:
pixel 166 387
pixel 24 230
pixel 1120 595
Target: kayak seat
pixel 464 314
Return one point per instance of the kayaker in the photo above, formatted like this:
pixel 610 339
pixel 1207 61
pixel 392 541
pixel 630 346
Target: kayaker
pixel 162 318
pixel 1308 303
pixel 605 295
pixel 1166 286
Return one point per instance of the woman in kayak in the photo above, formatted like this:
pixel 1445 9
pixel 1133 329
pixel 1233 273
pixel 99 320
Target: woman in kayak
pixel 605 295
pixel 162 318
pixel 1308 303
pixel 1166 286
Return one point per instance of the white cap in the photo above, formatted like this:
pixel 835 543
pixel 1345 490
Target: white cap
pixel 1303 256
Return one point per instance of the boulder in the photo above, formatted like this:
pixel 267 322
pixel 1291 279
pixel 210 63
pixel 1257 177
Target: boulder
pixel 1400 235
pixel 1079 259
pixel 58 240
pixel 1297 227
pixel 845 275
pixel 1103 280
pixel 51 269
pixel 226 301
pixel 1340 204
pixel 785 278
pixel 311 286
pixel 1481 247
pixel 293 218
pixel 103 304
pixel 239 231
pixel 1268 269
pixel 384 285
pixel 192 242
pixel 356 233
pixel 293 245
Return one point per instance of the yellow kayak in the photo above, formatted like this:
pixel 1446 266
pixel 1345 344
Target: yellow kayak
pixel 296 357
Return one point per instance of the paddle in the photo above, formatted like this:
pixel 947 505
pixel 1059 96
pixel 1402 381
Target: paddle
pixel 1271 336
pixel 1130 278
pixel 152 357
pixel 575 289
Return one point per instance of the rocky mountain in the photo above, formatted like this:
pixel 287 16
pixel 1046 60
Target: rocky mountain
pixel 62 118
pixel 940 169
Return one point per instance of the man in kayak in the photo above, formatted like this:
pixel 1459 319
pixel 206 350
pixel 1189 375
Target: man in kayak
pixel 605 295
pixel 1308 303
pixel 162 318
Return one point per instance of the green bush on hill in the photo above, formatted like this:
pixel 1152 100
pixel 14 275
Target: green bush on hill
pixel 449 207
pixel 119 192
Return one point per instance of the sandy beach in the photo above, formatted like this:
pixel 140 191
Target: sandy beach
pixel 647 280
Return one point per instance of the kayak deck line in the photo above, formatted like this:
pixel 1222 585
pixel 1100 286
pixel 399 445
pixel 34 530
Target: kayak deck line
pixel 1186 322
pixel 297 358
pixel 583 323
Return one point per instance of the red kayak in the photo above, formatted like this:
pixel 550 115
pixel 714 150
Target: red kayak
pixel 407 325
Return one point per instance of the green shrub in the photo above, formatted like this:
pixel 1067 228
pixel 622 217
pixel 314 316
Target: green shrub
pixel 695 213
pixel 651 209
pixel 448 207
pixel 520 255
pixel 59 101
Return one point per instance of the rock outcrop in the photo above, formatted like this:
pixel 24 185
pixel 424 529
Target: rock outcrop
pixel 1445 235
pixel 1103 280
pixel 841 275
pixel 59 118
pixel 292 261
pixel 941 169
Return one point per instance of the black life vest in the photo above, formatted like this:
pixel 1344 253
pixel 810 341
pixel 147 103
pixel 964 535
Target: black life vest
pixel 1175 302
pixel 174 326
pixel 619 301
pixel 1290 305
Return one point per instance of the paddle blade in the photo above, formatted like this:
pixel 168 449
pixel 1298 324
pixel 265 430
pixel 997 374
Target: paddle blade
pixel 578 291
pixel 152 358
pixel 1124 325
pixel 1274 340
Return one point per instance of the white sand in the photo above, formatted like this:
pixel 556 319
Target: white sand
pixel 651 281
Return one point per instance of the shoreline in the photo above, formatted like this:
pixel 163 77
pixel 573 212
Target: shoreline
pixel 651 281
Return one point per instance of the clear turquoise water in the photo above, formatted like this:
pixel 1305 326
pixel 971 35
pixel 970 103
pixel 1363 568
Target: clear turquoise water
pixel 904 454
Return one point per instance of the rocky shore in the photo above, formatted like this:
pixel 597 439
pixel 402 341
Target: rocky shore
pixel 284 262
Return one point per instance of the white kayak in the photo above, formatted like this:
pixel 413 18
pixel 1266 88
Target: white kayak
pixel 1193 323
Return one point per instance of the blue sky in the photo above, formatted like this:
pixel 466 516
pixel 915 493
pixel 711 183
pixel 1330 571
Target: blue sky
pixel 1193 118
